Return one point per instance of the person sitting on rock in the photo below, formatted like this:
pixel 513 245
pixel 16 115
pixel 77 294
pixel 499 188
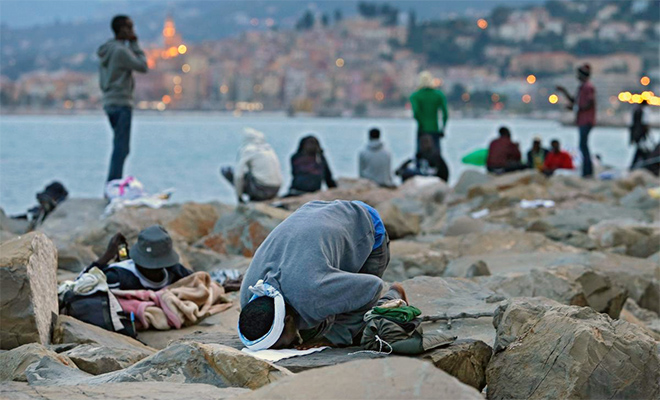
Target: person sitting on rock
pixel 536 155
pixel 314 277
pixel 309 168
pixel 153 263
pixel 503 154
pixel 428 162
pixel 258 171
pixel 375 161
pixel 557 159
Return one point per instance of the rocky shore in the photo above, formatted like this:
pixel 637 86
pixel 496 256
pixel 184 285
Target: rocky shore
pixel 549 301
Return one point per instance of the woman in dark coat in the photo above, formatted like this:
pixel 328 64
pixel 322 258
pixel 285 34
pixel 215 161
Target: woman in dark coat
pixel 309 168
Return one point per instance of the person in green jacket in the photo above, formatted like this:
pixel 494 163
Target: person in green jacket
pixel 426 102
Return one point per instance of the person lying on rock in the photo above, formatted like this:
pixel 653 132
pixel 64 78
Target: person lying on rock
pixel 153 263
pixel 314 277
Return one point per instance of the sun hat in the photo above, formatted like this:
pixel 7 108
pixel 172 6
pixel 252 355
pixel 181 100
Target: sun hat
pixel 153 249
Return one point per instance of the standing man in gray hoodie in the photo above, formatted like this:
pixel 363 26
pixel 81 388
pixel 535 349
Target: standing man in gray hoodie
pixel 375 161
pixel 119 58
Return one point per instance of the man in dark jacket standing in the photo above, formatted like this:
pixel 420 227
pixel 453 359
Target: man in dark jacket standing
pixel 119 58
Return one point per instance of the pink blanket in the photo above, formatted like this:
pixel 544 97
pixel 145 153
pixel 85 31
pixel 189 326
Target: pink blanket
pixel 183 303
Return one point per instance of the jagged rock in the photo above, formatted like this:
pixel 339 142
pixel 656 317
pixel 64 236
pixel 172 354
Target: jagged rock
pixel 242 231
pixel 388 378
pixel 545 350
pixel 638 240
pixel 465 360
pixel 112 348
pixel 470 178
pixel 15 361
pixel 97 360
pixel 410 259
pixel 602 294
pixel 479 268
pixel 195 220
pixel 506 181
pixel 397 223
pixel 584 215
pixel 28 290
pixel 186 362
pixel 119 391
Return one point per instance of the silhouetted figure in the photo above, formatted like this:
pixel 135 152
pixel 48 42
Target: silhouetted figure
pixel 119 58
pixel 536 155
pixel 584 104
pixel 503 154
pixel 309 168
pixel 556 159
pixel 376 161
pixel 640 137
pixel 428 162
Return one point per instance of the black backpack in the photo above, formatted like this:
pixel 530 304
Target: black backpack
pixel 95 309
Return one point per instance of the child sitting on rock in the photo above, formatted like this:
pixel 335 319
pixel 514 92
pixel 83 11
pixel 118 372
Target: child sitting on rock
pixel 153 263
pixel 314 277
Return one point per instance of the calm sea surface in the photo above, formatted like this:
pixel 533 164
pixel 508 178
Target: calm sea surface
pixel 185 151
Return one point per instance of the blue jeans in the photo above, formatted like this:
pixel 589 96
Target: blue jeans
pixel 120 120
pixel 587 168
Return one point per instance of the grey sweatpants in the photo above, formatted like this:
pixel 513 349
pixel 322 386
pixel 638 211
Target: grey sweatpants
pixel 346 329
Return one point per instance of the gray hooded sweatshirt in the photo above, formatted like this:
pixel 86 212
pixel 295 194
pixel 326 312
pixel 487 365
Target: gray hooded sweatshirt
pixel 118 61
pixel 375 163
pixel 313 258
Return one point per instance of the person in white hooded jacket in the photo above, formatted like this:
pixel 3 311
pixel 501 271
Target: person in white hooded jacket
pixel 258 172
pixel 375 161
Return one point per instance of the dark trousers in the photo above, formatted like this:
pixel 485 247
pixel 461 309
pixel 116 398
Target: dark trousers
pixel 255 190
pixel 120 120
pixel 587 167
pixel 443 169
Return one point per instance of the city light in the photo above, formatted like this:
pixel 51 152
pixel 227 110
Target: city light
pixel 465 97
pixel 68 104
pixel 185 68
pixel 437 82
pixel 254 22
pixel 636 98
pixel 625 96
pixel 645 80
pixel 178 89
pixel 482 23
pixel 531 79
pixel 176 80
pixel 526 99
pixel 224 89
pixel 553 99
pixel 650 97
pixel 380 96
pixel 182 49
pixel 495 97
pixel 270 22
pixel 339 62
pixel 166 99
pixel 172 52
pixel 161 106
pixel 257 88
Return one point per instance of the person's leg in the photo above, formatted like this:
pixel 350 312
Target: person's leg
pixel 378 260
pixel 228 174
pixel 120 119
pixel 443 170
pixel 587 168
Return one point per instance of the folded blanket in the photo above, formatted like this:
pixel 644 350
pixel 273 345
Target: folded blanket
pixel 182 303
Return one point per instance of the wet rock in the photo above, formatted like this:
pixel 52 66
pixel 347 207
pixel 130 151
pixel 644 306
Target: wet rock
pixel 397 223
pixel 466 360
pixel 28 290
pixel 15 361
pixel 470 178
pixel 479 268
pixel 112 348
pixel 388 378
pixel 119 391
pixel 538 341
pixel 242 231
pixel 188 362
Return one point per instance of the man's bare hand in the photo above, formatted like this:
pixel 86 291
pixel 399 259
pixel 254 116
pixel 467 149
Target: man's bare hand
pixel 313 344
pixel 112 250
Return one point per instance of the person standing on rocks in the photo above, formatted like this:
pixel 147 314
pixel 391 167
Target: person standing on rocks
pixel 426 102
pixel 314 277
pixel 258 171
pixel 584 104
pixel 376 161
pixel 119 57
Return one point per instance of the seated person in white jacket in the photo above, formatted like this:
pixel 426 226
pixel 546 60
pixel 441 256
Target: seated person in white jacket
pixel 258 171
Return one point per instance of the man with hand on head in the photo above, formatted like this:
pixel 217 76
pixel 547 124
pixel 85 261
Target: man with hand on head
pixel 314 277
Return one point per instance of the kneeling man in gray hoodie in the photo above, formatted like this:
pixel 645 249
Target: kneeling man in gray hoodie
pixel 314 277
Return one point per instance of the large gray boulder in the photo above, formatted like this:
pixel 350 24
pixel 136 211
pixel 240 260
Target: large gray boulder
pixel 188 362
pixel 409 259
pixel 398 223
pixel 119 391
pixel 470 178
pixel 636 239
pixel 584 215
pixel 15 361
pixel 28 290
pixel 387 378
pixel 545 350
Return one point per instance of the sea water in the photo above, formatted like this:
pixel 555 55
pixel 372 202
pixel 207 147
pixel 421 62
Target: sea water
pixel 185 151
